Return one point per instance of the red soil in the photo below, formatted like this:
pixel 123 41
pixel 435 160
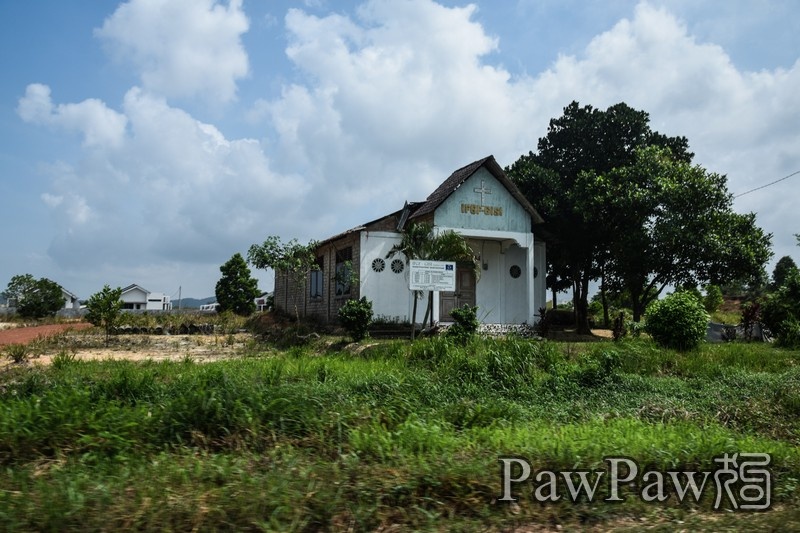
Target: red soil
pixel 25 335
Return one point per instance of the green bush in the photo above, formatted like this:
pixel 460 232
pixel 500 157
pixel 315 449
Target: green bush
pixel 782 306
pixel 678 321
pixel 355 317
pixel 789 333
pixel 465 324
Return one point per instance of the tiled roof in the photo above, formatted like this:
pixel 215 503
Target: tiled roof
pixel 413 210
pixel 449 186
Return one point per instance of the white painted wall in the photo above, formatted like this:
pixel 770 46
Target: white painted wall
pixel 516 289
pixel 387 290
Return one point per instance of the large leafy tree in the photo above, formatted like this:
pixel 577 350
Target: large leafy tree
pixel 35 298
pixel 236 290
pixel 293 259
pixel 581 145
pixel 671 224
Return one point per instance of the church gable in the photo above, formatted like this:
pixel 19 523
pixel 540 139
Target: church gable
pixel 479 196
pixel 483 202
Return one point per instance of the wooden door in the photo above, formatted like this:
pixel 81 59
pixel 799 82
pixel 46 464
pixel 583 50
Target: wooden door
pixel 464 294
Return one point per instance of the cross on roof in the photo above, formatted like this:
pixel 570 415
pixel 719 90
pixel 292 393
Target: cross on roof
pixel 482 190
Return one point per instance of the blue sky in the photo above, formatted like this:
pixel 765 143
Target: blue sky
pixel 147 142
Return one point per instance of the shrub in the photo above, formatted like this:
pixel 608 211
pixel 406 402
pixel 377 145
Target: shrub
pixel 751 315
pixel 678 321
pixel 789 333
pixel 355 317
pixel 782 306
pixel 17 352
pixel 465 324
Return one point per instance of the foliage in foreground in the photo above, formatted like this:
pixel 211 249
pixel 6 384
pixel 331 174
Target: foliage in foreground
pixel 356 317
pixel 400 434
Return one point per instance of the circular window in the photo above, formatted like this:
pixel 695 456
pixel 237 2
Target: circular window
pixel 378 264
pixel 397 266
pixel 515 271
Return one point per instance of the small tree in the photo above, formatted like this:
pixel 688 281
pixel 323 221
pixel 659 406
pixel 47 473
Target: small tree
pixel 420 241
pixel 712 301
pixel 104 309
pixel 236 290
pixel 784 269
pixel 292 258
pixel 35 298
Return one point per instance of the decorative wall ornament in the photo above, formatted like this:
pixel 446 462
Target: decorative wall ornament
pixel 398 266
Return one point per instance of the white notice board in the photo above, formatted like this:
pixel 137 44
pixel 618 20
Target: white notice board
pixel 432 275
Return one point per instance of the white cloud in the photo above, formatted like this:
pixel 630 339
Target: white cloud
pixel 100 125
pixel 175 190
pixel 181 48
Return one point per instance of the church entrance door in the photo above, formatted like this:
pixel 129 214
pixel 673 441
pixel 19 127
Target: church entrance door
pixel 464 294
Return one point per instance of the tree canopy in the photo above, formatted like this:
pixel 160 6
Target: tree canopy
pixel 35 298
pixel 104 308
pixel 293 259
pixel 236 290
pixel 624 204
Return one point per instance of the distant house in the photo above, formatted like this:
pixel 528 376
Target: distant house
pixel 262 301
pixel 138 298
pixel 70 300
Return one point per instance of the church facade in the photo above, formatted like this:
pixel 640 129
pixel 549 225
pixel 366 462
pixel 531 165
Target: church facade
pixel 479 202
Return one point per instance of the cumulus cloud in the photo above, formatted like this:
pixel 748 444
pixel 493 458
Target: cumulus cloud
pixel 100 125
pixel 181 48
pixel 176 190
pixel 404 92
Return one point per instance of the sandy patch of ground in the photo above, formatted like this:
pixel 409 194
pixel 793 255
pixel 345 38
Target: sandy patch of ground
pixel 198 348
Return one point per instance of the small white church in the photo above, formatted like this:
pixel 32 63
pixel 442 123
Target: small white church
pixel 479 202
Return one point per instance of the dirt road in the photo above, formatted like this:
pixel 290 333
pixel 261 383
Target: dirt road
pixel 25 335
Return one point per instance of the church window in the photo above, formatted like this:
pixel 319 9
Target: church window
pixel 515 271
pixel 316 279
pixel 378 264
pixel 344 268
pixel 397 266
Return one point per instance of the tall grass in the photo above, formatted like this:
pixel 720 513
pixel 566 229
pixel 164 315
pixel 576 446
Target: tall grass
pixel 398 434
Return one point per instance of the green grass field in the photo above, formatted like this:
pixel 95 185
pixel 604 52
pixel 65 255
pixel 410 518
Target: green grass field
pixel 389 435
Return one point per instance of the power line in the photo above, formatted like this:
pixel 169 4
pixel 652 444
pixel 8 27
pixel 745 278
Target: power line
pixel 768 184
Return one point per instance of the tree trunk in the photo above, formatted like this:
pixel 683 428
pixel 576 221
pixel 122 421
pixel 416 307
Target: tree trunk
pixel 555 301
pixel 604 300
pixel 582 307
